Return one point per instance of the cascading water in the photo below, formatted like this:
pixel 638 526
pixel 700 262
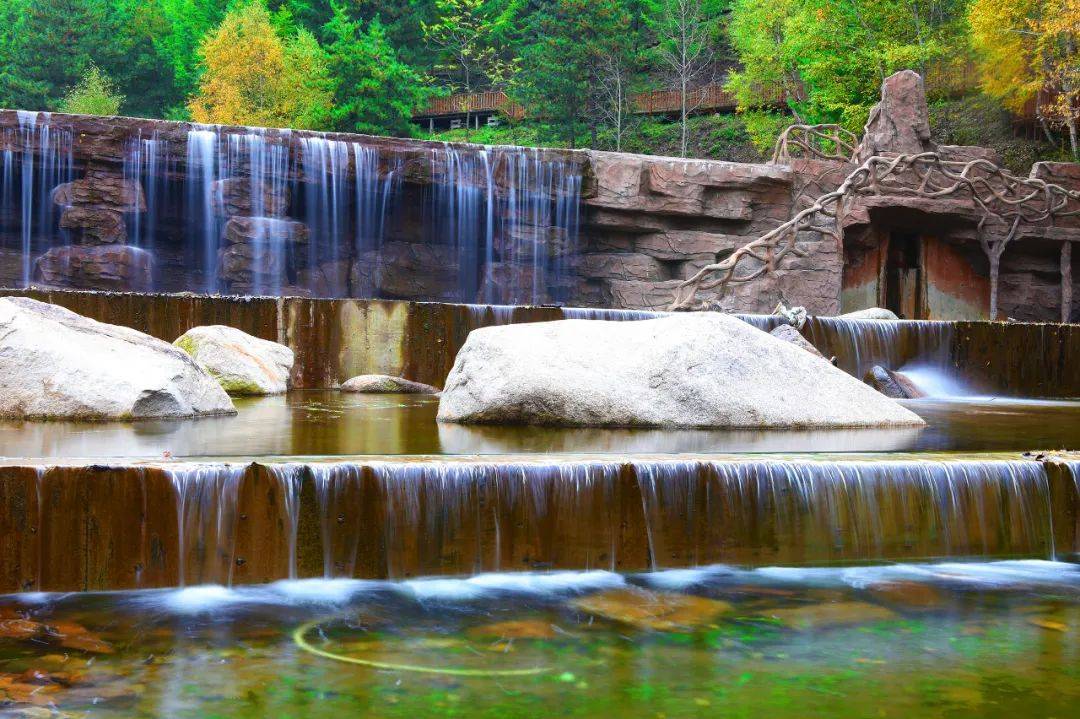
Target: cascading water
pixel 401 519
pixel 37 157
pixel 206 521
pixel 147 164
pixel 858 345
pixel 201 221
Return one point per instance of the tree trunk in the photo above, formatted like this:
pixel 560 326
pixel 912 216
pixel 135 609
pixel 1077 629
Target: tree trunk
pixel 995 263
pixel 682 117
pixel 1066 281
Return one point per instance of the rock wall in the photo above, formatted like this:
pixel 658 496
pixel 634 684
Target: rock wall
pixel 652 222
pixel 643 224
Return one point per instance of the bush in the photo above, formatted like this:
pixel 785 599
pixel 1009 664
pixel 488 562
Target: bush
pixel 94 95
pixel 981 120
pixel 718 137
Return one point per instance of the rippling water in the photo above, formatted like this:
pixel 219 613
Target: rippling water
pixel 933 640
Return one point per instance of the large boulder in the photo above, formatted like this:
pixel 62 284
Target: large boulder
pixel 692 370
pixel 55 364
pixel 244 365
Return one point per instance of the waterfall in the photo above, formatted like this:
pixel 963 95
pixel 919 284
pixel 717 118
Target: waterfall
pixel 858 345
pixel 403 519
pixel 324 166
pixel 206 521
pixel 44 155
pixel 200 219
pixel 147 164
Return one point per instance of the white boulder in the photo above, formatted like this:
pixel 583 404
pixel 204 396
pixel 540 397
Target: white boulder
pixel 692 370
pixel 870 313
pixel 385 384
pixel 244 365
pixel 56 364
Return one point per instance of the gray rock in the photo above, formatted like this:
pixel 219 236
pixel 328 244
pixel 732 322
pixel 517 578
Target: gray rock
pixel 386 384
pixel 789 334
pixel 242 364
pixel 870 313
pixel 56 364
pixel 896 385
pixel 691 370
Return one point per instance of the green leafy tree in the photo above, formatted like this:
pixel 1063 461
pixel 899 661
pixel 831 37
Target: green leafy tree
pixel 470 56
pixel 251 76
pixel 827 58
pixel 568 38
pixel 377 92
pixel 95 94
pixel 687 35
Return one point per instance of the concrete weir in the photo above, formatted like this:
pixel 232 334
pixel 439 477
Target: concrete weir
pixel 100 527
pixel 335 339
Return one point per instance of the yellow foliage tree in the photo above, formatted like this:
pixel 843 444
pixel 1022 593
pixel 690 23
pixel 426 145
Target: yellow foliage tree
pixel 250 76
pixel 1030 50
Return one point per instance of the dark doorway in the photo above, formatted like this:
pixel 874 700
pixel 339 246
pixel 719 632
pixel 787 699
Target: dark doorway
pixel 904 276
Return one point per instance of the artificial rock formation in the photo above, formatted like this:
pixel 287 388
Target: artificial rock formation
pixel 55 364
pixel 242 364
pixel 94 210
pixel 694 370
pixel 385 384
pixel 98 267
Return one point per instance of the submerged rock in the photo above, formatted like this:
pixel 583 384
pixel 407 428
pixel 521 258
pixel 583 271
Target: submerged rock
pixel 831 614
pixel 658 611
pixel 56 364
pixel 892 384
pixel 789 334
pixel 386 384
pixel 691 370
pixel 870 313
pixel 244 365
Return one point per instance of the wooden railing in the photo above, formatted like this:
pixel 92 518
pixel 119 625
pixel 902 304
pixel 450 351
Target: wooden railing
pixel 710 97
pixel 461 103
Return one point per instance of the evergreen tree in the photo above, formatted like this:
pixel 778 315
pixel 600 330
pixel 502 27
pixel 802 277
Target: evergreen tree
pixel 377 92
pixel 558 63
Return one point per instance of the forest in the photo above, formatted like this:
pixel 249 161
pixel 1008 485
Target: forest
pixel 1003 73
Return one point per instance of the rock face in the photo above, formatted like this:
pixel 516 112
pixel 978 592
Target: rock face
pixel 55 364
pixel 692 370
pixel 892 384
pixel 385 384
pixel 407 270
pixel 244 365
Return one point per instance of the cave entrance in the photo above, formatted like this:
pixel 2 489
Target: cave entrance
pixel 904 276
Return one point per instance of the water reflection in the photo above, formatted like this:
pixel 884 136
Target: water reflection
pixel 331 423
pixel 928 640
